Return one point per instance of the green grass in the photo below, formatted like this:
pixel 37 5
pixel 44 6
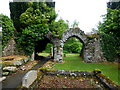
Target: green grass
pixel 74 62
pixel 0 49
pixel 44 54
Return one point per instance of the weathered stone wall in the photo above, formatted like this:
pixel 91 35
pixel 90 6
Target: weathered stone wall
pixel 11 49
pixel 92 52
pixel 98 54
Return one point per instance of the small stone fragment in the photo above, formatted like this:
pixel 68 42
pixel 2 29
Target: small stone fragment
pixel 23 68
pixel 5 73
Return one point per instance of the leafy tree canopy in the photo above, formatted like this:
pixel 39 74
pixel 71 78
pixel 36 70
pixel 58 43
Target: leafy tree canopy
pixel 7 29
pixel 58 27
pixel 110 33
pixel 36 22
pixel 73 45
pixel 75 24
pixel 111 23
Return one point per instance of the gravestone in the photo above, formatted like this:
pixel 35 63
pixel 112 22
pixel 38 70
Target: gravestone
pixel 29 78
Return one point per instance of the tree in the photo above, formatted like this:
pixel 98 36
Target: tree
pixel 110 33
pixel 58 27
pixel 109 46
pixel 111 23
pixel 34 23
pixel 72 45
pixel 75 24
pixel 16 9
pixel 36 19
pixel 7 29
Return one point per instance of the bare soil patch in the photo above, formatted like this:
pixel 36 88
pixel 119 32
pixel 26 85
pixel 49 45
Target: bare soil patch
pixel 49 81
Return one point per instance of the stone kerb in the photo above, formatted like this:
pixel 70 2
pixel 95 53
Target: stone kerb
pixel 29 78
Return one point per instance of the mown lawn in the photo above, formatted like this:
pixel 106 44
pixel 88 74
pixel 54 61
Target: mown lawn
pixel 0 49
pixel 74 62
pixel 44 54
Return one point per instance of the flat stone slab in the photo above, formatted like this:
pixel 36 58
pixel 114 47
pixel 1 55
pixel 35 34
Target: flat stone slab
pixel 29 78
pixel 10 69
pixel 2 78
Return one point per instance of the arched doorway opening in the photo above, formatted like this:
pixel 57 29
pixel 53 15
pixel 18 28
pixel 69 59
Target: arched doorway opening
pixel 73 45
pixel 48 51
pixel 59 43
pixel 42 47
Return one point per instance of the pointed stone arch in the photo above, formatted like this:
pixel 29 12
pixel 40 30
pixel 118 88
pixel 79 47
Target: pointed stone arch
pixel 79 34
pixel 74 32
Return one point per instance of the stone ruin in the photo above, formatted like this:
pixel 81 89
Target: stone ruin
pixel 91 51
pixel 10 49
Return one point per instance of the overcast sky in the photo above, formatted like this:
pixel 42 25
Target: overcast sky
pixel 86 12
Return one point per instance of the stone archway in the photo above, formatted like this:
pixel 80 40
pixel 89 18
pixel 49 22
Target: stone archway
pixel 79 34
pixel 91 51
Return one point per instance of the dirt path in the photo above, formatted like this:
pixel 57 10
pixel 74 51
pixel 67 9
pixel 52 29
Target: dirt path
pixel 16 80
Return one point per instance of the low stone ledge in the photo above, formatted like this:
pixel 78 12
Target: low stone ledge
pixel 15 62
pixel 10 67
pixel 107 83
pixel 20 62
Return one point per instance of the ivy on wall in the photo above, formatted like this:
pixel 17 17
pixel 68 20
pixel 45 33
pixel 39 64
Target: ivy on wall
pixel 110 33
pixel 109 46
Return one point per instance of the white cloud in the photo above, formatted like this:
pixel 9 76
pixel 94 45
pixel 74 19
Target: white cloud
pixel 87 12
pixel 4 7
pixel 0 28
